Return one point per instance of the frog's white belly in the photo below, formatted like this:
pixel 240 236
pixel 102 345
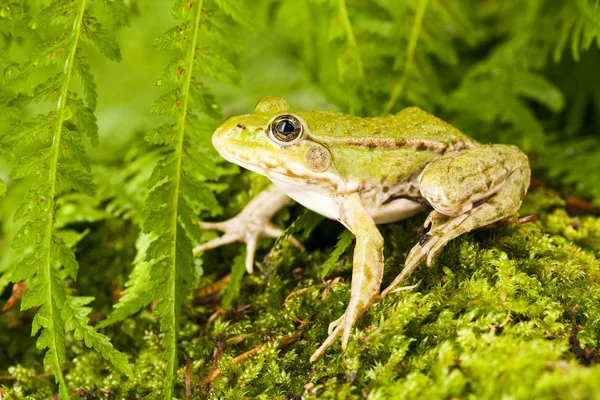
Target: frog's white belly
pixel 328 205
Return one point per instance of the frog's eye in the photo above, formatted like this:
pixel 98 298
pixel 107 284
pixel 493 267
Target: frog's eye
pixel 286 129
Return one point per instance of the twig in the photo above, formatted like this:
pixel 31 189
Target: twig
pixel 217 354
pixel 187 376
pixel 286 305
pixel 18 290
pixel 237 339
pixel 284 341
pixel 212 289
pixel 328 284
pixel 404 288
pixel 502 324
pixel 523 220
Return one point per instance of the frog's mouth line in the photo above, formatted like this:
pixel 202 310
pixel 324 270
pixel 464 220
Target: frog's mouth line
pixel 271 172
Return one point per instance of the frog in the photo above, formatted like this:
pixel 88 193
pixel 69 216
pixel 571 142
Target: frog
pixel 362 172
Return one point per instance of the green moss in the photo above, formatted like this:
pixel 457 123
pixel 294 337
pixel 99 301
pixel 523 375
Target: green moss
pixel 506 311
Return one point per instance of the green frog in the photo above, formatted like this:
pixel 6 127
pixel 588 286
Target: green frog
pixel 363 172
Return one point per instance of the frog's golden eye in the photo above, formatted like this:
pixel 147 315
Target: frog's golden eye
pixel 286 129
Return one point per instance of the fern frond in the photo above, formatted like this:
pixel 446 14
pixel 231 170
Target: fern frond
pixel 344 241
pixel 168 258
pixel 579 22
pixel 574 163
pixel 177 193
pixel 15 21
pixel 138 288
pixel 62 166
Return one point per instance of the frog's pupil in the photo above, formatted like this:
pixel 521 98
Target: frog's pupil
pixel 285 127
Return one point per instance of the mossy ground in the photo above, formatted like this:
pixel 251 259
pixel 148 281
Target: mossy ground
pixel 509 311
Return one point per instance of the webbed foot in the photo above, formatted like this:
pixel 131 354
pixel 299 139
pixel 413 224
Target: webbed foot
pixel 252 223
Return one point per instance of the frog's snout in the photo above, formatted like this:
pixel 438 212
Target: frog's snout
pixel 218 138
pixel 230 138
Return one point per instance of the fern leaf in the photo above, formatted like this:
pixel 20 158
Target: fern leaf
pixel 15 21
pixel 101 39
pixel 75 315
pixel 32 164
pixel 2 188
pixel 39 128
pixel 167 104
pixel 118 10
pixel 73 177
pixel 84 119
pixel 161 135
pixel 87 81
pixel 204 100
pixel 176 192
pixel 344 241
pixel 302 226
pixel 237 10
pixel 174 38
pixel 62 167
pixel 51 53
pixel 138 288
pixel 213 64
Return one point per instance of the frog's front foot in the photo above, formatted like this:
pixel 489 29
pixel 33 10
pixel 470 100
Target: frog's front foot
pixel 250 225
pixel 367 271
pixel 500 174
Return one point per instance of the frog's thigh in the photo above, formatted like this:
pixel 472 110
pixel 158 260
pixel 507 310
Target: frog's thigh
pixel 479 210
pixel 459 181
pixel 367 271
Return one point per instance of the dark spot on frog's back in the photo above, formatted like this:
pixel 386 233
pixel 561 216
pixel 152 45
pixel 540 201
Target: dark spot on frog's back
pixel 421 146
pixel 241 126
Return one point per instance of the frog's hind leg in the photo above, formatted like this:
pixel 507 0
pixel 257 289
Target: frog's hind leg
pixel 367 271
pixel 467 190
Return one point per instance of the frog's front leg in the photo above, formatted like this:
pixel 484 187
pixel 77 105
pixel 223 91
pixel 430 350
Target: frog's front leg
pixel 467 190
pixel 367 270
pixel 252 223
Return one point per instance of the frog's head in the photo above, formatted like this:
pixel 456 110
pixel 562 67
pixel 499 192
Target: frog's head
pixel 274 141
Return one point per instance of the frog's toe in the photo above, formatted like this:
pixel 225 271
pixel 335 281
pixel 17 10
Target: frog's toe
pixel 412 262
pixel 217 226
pixel 337 332
pixel 340 327
pixel 335 324
pixel 251 244
pixel 214 243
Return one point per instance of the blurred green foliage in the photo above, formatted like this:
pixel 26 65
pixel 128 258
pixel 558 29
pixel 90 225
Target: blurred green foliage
pixel 507 311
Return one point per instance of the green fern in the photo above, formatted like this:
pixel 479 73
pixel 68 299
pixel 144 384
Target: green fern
pixel 344 241
pixel 62 166
pixel 177 194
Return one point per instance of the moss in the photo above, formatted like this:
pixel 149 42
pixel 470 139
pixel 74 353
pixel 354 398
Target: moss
pixel 506 311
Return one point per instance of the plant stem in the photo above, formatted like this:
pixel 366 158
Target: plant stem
pixel 185 95
pixel 62 100
pixel 351 39
pixel 410 56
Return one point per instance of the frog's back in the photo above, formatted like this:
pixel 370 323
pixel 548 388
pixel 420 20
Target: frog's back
pixel 411 127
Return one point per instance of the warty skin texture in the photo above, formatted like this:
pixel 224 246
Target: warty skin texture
pixel 366 171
